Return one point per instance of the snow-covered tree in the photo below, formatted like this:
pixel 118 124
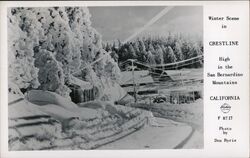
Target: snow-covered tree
pixel 143 52
pixel 170 55
pixel 131 50
pixel 178 51
pixel 159 59
pixel 136 48
pixel 88 41
pixel 115 56
pixel 112 69
pixel 99 66
pixel 51 74
pixel 51 44
pixel 150 58
pixel 22 71
pixel 55 45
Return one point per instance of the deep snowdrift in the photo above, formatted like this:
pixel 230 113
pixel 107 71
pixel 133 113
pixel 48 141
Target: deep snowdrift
pixel 30 128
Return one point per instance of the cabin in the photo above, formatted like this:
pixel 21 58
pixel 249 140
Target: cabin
pixel 142 79
pixel 160 75
pixel 187 86
pixel 182 95
pixel 185 74
pixel 81 91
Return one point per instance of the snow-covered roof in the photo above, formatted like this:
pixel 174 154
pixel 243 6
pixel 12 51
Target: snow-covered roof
pixel 187 88
pixel 185 74
pixel 83 84
pixel 139 77
pixel 139 88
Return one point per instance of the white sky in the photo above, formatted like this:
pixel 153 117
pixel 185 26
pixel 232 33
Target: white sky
pixel 121 22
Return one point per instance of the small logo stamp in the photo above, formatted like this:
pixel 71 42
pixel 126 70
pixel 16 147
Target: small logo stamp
pixel 225 108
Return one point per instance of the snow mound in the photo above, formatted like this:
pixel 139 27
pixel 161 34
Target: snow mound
pixel 29 127
pixel 22 108
pixel 61 113
pixel 45 97
pixel 58 112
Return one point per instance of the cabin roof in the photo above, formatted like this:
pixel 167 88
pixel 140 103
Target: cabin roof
pixel 79 82
pixel 139 76
pixel 190 74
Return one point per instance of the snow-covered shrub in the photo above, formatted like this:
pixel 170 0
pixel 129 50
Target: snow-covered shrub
pixel 112 69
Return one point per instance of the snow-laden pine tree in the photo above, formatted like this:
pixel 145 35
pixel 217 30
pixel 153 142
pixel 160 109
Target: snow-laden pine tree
pixel 65 44
pixel 22 71
pixel 159 55
pixel 87 39
pixel 178 51
pixel 55 56
pixel 89 42
pixel 111 69
pixel 51 76
pixel 136 48
pixel 99 66
pixel 57 41
pixel 132 52
pixel 143 52
pixel 150 58
pixel 170 57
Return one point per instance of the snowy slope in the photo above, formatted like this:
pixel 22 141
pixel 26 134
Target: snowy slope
pixel 56 126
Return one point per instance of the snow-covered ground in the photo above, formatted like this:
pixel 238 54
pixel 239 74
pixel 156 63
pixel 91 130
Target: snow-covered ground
pixel 191 114
pixel 59 125
pixel 195 141
pixel 166 135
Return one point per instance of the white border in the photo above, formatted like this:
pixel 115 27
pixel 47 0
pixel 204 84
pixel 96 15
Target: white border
pixel 206 152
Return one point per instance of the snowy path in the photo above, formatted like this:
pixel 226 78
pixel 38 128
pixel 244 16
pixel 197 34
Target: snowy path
pixel 167 135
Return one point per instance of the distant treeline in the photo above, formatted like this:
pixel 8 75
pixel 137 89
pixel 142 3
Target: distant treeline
pixel 157 50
